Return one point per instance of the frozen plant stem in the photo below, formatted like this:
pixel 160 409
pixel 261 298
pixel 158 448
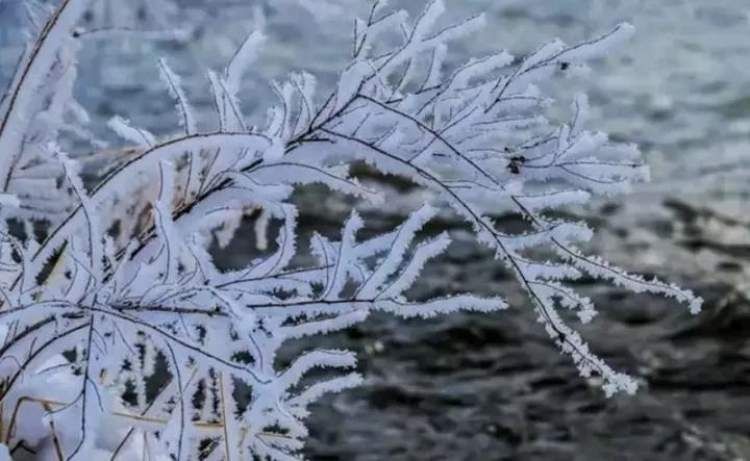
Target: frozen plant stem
pixel 122 292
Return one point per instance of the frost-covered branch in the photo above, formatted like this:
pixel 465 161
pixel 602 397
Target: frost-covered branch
pixel 117 315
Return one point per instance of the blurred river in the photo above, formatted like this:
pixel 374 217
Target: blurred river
pixel 680 89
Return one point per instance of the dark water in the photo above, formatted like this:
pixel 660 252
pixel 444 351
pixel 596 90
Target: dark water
pixel 493 387
pixel 480 387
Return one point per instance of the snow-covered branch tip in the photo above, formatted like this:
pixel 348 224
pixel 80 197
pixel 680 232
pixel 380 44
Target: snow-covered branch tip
pixel 112 286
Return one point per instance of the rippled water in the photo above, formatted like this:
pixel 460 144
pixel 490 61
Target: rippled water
pixel 473 387
pixel 680 89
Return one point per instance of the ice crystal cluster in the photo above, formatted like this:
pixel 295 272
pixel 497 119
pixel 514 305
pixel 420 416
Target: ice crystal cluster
pixel 121 338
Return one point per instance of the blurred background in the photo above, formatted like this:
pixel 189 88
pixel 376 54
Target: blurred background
pixel 494 387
